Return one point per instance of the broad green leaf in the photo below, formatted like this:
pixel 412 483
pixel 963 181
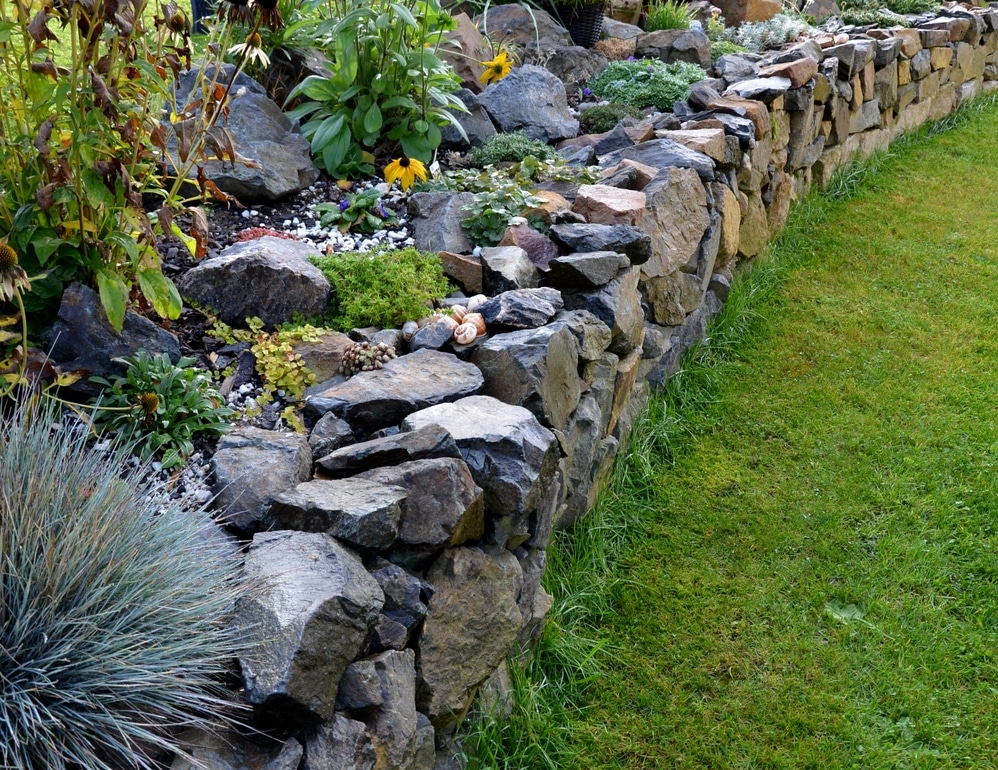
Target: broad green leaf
pixel 405 15
pixel 373 120
pixel 96 191
pixel 160 292
pixel 113 297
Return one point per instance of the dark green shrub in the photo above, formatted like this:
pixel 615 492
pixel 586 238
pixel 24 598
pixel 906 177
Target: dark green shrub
pixel 510 148
pixel 604 117
pixel 160 406
pixel 114 607
pixel 646 82
pixel 382 288
pixel 912 6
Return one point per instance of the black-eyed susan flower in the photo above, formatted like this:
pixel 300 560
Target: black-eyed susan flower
pixel 496 69
pixel 406 171
pixel 13 279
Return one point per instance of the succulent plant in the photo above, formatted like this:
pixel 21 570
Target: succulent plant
pixel 364 357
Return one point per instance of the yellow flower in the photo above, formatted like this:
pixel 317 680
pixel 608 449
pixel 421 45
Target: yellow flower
pixel 496 69
pixel 13 279
pixel 406 171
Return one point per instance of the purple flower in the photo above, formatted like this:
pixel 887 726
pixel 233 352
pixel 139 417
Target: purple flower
pixel 344 204
pixel 587 92
pixel 381 211
pixel 630 58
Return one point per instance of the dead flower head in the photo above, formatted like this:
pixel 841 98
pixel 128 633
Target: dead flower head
pixel 13 279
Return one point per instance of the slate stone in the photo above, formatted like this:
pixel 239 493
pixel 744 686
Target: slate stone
pixel 329 434
pixel 471 624
pixel 83 338
pixel 394 725
pixel 435 219
pixel 425 443
pixel 675 45
pixel 380 398
pixel 263 134
pixel 592 335
pixel 510 454
pixel 617 139
pixel 444 505
pixel 701 94
pixel 251 467
pixel 360 688
pixel 389 635
pixel 506 268
pixel 343 744
pixel 585 270
pixel 360 513
pixel 532 100
pixel 631 241
pixel 532 28
pixel 230 751
pixel 477 125
pixel 432 336
pixel 574 66
pixel 269 278
pixel 535 368
pixel 618 305
pixel 523 309
pixel 308 612
pixel 405 595
pixel 540 249
pixel 737 66
pixel 676 219
pixel 663 153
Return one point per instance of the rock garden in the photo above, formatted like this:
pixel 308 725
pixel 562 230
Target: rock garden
pixel 337 312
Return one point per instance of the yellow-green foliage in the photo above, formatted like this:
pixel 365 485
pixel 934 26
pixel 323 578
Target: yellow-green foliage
pixel 382 288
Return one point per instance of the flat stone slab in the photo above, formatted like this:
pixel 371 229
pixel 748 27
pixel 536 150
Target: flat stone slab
pixel 428 442
pixel 362 513
pixel 586 270
pixel 382 398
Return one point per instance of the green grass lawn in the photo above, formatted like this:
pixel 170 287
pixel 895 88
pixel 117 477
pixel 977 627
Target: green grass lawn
pixel 809 578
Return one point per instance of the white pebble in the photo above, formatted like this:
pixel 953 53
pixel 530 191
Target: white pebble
pixel 245 214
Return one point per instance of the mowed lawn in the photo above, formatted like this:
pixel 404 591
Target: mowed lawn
pixel 814 578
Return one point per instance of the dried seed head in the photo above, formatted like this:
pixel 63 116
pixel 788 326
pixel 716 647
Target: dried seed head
pixel 149 402
pixel 8 258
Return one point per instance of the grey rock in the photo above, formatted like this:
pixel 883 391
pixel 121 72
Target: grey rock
pixel 921 64
pixel 389 635
pixel 522 309
pixel 477 125
pixel 360 688
pixel 343 744
pixel 579 442
pixel 270 278
pixel 532 100
pixel 262 134
pixel 432 336
pixel 867 117
pixel 426 755
pixel 310 612
pixel 470 626
pixel 663 153
pixel 676 218
pixel 618 305
pixel 83 338
pixel 620 29
pixel 737 126
pixel 505 268
pixel 799 99
pixel 231 751
pixel 435 218
pixel 510 454
pixel 444 505
pixel 592 335
pixel 378 399
pixel 887 51
pixel 329 434
pixel 617 139
pixel 535 368
pixel 585 270
pixel 625 177
pixel 364 514
pixel 702 94
pixel 573 65
pixel 394 726
pixel 533 29
pixel 675 45
pixel 631 241
pixel 737 66
pixel 252 466
pixel 429 442
pixel 405 595
pixel 761 89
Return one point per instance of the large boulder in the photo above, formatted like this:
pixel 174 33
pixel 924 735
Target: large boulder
pixel 381 398
pixel 532 100
pixel 280 162
pixel 675 45
pixel 83 338
pixel 531 29
pixel 435 218
pixel 736 12
pixel 269 278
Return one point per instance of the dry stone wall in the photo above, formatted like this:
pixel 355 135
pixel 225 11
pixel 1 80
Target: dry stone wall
pixel 397 554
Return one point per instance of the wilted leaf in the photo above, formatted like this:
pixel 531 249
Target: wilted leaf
pixel 185 130
pixel 41 142
pixel 38 27
pixel 46 67
pixel 222 142
pixel 8 336
pixel 158 136
pixel 65 379
pixel 43 196
pixel 199 230
pixel 165 219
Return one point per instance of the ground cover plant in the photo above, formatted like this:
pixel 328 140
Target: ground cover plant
pixel 646 82
pixel 114 606
pixel 794 565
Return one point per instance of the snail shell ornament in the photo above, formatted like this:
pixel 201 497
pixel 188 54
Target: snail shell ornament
pixel 476 320
pixel 458 312
pixel 465 334
pixel 447 321
pixel 408 329
pixel 476 302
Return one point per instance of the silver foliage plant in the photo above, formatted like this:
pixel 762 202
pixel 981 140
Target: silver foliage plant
pixel 114 605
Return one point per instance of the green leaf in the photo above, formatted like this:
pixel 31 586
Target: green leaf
pixel 160 292
pixel 328 129
pixel 402 12
pixel 96 191
pixel 398 101
pixel 372 119
pixel 113 297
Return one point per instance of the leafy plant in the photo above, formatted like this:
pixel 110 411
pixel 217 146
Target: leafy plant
pixel 88 119
pixel 161 406
pixel 912 6
pixel 604 117
pixel 384 287
pixel 529 173
pixel 721 48
pixel 492 212
pixel 363 212
pixel 386 84
pixel 668 14
pixel 759 36
pixel 646 82
pixel 114 618
pixel 511 148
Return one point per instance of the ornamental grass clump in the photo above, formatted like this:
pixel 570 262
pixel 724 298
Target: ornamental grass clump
pixel 646 83
pixel 114 606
